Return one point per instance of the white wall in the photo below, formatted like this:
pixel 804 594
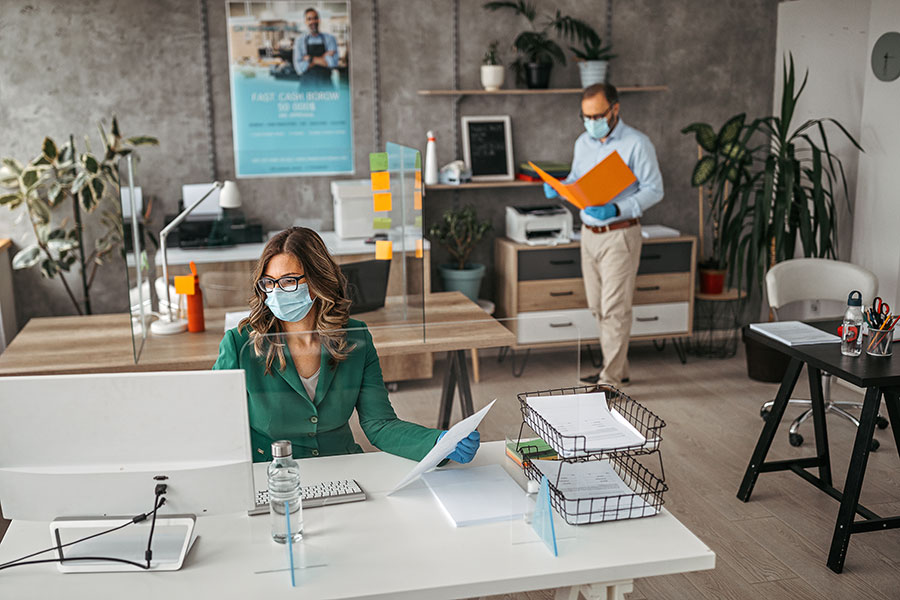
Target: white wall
pixel 876 226
pixel 829 39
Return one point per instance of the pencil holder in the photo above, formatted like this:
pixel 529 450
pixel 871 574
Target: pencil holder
pixel 880 343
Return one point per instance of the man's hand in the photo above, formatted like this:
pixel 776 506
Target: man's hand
pixel 549 192
pixel 601 213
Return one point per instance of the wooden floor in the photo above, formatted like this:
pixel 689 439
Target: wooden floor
pixel 772 547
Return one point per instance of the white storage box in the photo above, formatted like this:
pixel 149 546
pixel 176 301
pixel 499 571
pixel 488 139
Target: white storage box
pixel 353 208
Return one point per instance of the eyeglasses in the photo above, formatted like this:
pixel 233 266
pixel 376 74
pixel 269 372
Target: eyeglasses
pixel 600 116
pixel 288 283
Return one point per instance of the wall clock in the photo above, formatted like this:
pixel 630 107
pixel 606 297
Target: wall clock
pixel 886 57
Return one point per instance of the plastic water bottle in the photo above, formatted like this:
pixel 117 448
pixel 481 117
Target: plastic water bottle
pixel 851 328
pixel 284 493
pixel 431 168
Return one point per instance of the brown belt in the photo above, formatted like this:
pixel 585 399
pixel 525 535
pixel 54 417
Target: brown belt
pixel 612 226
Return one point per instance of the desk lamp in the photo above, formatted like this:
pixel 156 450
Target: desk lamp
pixel 230 197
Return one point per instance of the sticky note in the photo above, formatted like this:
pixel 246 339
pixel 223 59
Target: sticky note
pixel 378 161
pixel 418 221
pixel 184 284
pixel 381 223
pixel 381 180
pixel 418 178
pixel 418 160
pixel 382 201
pixel 384 250
pixel 420 251
pixel 417 200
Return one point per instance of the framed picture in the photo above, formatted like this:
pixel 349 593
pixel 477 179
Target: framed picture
pixel 487 148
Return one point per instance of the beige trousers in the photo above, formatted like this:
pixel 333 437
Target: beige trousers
pixel 609 264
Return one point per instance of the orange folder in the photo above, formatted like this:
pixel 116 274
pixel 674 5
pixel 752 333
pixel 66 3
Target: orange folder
pixel 605 181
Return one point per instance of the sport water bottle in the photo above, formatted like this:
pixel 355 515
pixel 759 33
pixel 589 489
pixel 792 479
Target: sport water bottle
pixel 851 328
pixel 431 168
pixel 284 494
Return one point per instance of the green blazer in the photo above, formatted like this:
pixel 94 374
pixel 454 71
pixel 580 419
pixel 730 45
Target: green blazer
pixel 280 408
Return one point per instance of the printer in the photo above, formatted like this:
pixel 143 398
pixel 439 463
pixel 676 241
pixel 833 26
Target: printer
pixel 545 225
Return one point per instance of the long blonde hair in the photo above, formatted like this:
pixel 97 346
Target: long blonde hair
pixel 327 284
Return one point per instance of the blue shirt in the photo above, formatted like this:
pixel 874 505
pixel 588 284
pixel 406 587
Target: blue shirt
pixel 300 65
pixel 638 152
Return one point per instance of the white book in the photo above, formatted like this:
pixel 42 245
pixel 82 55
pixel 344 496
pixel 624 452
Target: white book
pixel 794 333
pixel 476 495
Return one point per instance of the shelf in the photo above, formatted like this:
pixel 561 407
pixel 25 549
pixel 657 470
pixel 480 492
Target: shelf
pixel 516 183
pixel 518 92
pixel 728 295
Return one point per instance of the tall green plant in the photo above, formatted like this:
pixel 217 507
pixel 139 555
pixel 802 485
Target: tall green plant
pixel 459 230
pixel 784 188
pixel 58 181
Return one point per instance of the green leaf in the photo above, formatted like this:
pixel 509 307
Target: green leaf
pixel 91 164
pixel 13 165
pixel 730 130
pixel 12 200
pixel 49 268
pixel 87 198
pixel 115 127
pixel 27 257
pixel 143 140
pixel 61 246
pixel 705 135
pixel 40 211
pixel 29 177
pixel 49 149
pixel 99 187
pixel 56 194
pixel 703 171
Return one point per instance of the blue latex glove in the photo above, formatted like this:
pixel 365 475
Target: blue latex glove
pixel 549 192
pixel 466 448
pixel 601 213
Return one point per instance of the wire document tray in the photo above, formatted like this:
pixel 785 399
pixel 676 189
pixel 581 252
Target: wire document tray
pixel 576 446
pixel 644 498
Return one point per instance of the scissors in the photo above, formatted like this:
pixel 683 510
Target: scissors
pixel 881 310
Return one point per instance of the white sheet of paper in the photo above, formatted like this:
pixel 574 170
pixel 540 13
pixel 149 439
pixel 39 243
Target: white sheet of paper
pixel 444 446
pixel 585 415
pixel 476 495
pixel 794 333
pixel 581 482
pixel 233 318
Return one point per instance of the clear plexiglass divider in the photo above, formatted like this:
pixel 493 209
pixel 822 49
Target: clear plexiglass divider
pixel 137 266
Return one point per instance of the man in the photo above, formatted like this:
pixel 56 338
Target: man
pixel 611 233
pixel 315 53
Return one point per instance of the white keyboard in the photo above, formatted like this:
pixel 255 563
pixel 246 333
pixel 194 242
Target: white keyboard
pixel 317 494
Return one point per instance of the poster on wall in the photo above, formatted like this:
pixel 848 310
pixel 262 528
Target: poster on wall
pixel 290 87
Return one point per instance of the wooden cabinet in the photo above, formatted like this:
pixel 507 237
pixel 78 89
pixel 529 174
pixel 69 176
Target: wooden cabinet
pixel 542 288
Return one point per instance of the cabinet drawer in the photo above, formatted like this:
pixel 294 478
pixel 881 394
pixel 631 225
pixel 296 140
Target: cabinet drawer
pixel 556 326
pixel 662 287
pixel 551 294
pixel 666 257
pixel 559 263
pixel 656 319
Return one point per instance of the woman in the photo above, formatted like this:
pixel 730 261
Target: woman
pixel 308 365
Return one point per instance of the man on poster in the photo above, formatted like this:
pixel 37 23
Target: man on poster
pixel 315 53
pixel 610 235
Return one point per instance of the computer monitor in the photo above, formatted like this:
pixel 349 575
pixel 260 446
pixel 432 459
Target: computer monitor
pixel 366 284
pixel 97 444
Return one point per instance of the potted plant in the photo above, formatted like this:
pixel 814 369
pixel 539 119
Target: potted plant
pixel 593 58
pixel 459 230
pixel 60 180
pixel 536 50
pixel 492 70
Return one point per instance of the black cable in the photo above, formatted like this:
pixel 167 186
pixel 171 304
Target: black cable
pixel 53 560
pixel 148 554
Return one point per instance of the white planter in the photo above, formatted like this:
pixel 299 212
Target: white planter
pixel 592 71
pixel 492 77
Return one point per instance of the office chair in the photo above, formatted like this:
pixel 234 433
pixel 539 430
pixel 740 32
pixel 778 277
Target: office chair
pixel 815 279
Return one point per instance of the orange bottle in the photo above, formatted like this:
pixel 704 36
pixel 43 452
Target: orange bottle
pixel 189 285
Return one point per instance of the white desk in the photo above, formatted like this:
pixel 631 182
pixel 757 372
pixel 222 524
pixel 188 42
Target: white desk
pixel 387 548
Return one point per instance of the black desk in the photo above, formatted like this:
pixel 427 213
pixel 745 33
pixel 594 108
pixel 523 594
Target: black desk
pixel 880 376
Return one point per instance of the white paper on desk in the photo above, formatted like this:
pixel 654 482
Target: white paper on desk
pixel 586 415
pixel 476 495
pixel 444 446
pixel 593 491
pixel 794 333
pixel 232 319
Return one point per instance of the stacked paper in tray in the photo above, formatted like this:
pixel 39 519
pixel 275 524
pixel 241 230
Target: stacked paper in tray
pixel 585 421
pixel 593 492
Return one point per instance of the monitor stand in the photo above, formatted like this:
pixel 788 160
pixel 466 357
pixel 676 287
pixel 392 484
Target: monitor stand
pixel 172 539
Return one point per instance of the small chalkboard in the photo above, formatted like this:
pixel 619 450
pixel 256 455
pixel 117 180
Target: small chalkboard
pixel 487 148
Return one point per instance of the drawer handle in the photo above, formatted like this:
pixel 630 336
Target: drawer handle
pixel 647 319
pixel 557 294
pixel 650 256
pixel 648 288
pixel 569 324
pixel 563 262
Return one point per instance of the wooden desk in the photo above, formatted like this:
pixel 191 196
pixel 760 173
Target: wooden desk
pixel 397 547
pixel 881 377
pixel 102 343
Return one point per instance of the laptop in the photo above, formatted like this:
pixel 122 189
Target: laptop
pixel 366 284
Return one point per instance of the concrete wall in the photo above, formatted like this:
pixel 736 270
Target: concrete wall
pixel 67 64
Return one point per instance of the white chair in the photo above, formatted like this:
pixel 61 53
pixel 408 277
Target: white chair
pixel 817 279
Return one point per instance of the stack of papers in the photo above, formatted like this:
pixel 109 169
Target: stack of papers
pixel 658 231
pixel 592 491
pixel 476 495
pixel 585 421
pixel 794 333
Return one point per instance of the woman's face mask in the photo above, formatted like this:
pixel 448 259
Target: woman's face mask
pixel 290 306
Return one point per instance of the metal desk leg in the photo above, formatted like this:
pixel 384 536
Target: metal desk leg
pixel 463 384
pixel 892 402
pixel 769 429
pixel 447 392
pixel 456 378
pixel 855 473
pixel 818 411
